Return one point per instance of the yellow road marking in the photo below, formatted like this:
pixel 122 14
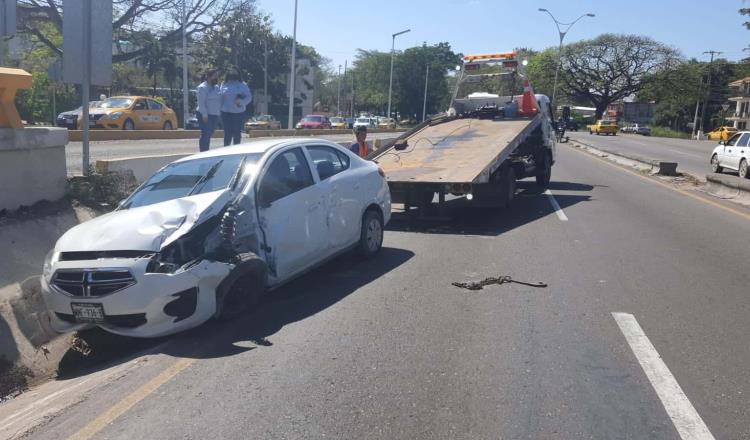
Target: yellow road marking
pixel 128 402
pixel 744 215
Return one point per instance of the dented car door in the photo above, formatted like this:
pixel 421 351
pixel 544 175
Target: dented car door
pixel 291 215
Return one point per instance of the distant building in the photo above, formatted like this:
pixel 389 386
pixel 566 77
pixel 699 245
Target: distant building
pixel 741 95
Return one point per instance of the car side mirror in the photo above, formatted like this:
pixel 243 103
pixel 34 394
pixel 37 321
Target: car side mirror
pixel 401 145
pixel 721 142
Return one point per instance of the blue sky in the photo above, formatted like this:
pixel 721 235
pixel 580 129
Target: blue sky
pixel 337 28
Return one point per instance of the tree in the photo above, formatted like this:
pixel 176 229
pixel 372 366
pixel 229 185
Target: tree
pixel 612 67
pixel 158 58
pixel 130 17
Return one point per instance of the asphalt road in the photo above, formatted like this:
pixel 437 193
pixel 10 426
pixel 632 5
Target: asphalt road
pixel 692 156
pixel 389 349
pixel 107 150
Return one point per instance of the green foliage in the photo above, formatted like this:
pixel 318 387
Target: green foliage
pixel 541 73
pixel 668 133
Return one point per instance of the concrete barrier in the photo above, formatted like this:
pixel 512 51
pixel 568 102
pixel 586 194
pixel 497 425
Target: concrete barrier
pixel 32 166
pixel 657 166
pixel 135 135
pixel 142 167
pixel 728 187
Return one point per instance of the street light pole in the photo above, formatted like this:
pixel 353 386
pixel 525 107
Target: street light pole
pixel 338 99
pixel 293 73
pixel 424 105
pixel 265 76
pixel 185 97
pixel 390 84
pixel 562 35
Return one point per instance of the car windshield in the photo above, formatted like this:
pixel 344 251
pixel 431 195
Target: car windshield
pixel 116 103
pixel 313 119
pixel 363 120
pixel 198 176
pixel 262 119
pixel 337 120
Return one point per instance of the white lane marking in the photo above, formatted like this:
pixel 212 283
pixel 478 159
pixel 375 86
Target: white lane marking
pixel 686 153
pixel 560 214
pixel 685 418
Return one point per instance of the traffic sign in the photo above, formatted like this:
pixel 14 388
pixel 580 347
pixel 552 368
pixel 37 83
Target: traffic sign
pixel 8 18
pixel 87 41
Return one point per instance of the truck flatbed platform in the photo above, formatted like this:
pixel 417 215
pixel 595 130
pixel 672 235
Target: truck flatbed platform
pixel 460 150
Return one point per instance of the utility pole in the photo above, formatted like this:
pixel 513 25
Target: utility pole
pixel 338 100
pixel 293 73
pixel 426 83
pixel 708 86
pixel 185 96
pixel 353 95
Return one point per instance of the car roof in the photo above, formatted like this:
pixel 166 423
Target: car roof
pixel 259 146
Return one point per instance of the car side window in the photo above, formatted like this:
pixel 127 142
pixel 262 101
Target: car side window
pixel 140 105
pixel 733 140
pixel 287 174
pixel 153 105
pixel 327 161
pixel 743 140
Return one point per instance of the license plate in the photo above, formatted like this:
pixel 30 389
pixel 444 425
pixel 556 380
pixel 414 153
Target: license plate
pixel 88 312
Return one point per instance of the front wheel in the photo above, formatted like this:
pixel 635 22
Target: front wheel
pixel 371 235
pixel 715 167
pixel 242 288
pixel 743 169
pixel 543 179
pixel 128 125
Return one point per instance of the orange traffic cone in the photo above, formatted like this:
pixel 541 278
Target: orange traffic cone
pixel 528 106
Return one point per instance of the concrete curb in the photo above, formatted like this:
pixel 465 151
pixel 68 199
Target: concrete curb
pixel 728 188
pixel 658 166
pixel 135 135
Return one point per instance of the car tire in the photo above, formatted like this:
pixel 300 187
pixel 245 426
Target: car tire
pixel 371 235
pixel 543 179
pixel 715 167
pixel 168 125
pixel 242 288
pixel 128 125
pixel 743 171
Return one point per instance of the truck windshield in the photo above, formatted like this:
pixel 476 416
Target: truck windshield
pixel 198 176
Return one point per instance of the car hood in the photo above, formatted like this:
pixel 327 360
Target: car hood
pixel 148 228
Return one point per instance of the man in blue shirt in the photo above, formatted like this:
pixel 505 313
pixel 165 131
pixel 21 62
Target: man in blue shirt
pixel 235 97
pixel 209 106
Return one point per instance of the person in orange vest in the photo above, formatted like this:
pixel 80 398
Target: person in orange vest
pixel 360 147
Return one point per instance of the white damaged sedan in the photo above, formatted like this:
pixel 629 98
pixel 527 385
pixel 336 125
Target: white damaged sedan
pixel 207 235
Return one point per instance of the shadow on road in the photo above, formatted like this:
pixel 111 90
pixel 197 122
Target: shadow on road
pixel 296 301
pixel 529 205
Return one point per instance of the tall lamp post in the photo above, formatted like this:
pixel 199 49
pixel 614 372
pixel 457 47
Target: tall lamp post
pixel 185 97
pixel 293 73
pixel 390 83
pixel 562 34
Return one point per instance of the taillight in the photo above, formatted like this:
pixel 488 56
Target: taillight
pixel 381 172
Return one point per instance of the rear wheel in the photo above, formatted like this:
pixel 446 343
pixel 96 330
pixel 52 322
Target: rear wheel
pixel 743 169
pixel 715 167
pixel 371 236
pixel 168 125
pixel 508 182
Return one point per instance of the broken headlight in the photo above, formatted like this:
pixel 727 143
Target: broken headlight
pixel 183 252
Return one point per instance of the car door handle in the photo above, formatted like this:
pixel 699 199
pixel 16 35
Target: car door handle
pixel 313 207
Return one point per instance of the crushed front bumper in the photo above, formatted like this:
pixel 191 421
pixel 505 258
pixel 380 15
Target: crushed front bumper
pixel 154 305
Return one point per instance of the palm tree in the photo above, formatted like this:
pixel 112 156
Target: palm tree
pixel 158 57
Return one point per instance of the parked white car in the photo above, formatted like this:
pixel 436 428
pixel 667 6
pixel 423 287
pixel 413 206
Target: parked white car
pixel 733 154
pixel 207 235
pixel 365 122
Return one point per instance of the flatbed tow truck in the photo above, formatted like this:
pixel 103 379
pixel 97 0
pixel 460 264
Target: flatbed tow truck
pixel 479 148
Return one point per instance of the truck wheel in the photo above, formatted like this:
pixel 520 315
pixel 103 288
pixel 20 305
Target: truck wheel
pixel 543 179
pixel 371 235
pixel 508 182
pixel 242 288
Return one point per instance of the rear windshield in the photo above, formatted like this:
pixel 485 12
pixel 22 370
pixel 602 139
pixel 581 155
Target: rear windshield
pixel 313 119
pixel 182 179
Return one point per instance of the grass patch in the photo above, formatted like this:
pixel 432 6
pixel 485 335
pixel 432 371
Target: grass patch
pixel 668 133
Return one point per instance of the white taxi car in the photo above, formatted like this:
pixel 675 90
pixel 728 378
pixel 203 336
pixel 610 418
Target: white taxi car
pixel 732 154
pixel 207 235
